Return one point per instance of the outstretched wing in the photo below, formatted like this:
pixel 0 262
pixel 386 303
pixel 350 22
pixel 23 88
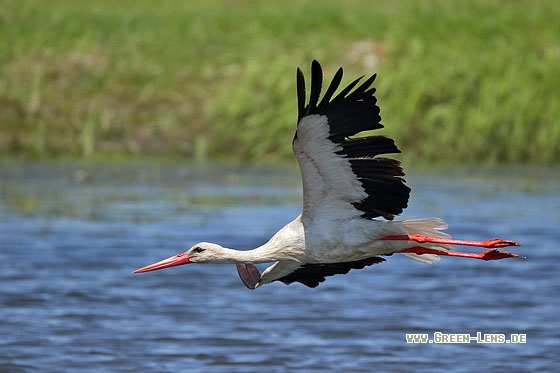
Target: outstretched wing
pixel 312 275
pixel 343 175
pixel 309 274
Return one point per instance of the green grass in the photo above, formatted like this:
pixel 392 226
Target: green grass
pixel 465 81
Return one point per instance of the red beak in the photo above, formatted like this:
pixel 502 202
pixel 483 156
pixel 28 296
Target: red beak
pixel 172 261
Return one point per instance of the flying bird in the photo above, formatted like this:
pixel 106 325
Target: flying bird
pixel 351 194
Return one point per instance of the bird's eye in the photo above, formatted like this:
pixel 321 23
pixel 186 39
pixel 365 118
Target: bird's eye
pixel 198 249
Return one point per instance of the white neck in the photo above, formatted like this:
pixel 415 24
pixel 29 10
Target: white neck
pixel 287 244
pixel 262 254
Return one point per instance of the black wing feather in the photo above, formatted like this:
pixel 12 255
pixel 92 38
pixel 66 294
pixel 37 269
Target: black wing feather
pixel 332 89
pixel 342 95
pixel 312 275
pixel 360 91
pixel 349 113
pixel 370 146
pixel 301 94
pixel 316 85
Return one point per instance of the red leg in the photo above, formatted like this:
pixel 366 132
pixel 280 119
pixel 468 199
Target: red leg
pixel 491 254
pixel 420 238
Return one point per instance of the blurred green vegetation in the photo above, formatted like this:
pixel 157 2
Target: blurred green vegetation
pixel 469 81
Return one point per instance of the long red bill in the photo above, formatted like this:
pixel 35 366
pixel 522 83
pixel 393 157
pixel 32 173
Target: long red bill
pixel 172 261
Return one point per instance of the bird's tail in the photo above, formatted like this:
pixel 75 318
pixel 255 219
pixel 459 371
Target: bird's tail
pixel 429 227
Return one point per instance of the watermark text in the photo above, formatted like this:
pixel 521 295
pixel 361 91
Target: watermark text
pixel 479 337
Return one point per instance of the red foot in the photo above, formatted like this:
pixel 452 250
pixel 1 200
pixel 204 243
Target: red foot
pixel 491 254
pixel 497 242
pixel 494 254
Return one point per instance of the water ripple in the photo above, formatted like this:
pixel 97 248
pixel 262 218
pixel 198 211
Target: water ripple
pixel 71 234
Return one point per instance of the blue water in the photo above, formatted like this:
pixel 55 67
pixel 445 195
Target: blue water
pixel 71 234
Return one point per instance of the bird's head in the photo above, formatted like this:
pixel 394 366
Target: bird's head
pixel 202 252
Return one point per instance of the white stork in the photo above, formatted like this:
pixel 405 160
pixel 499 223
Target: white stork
pixel 350 197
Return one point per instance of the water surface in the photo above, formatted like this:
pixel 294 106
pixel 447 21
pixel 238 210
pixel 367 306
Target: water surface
pixel 70 235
